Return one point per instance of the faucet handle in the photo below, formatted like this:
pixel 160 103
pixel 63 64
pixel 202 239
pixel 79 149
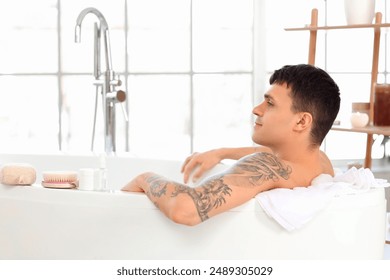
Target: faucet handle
pixel 117 96
pixel 120 96
pixel 116 82
pixel 97 82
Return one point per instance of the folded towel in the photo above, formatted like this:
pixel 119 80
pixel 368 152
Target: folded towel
pixel 293 208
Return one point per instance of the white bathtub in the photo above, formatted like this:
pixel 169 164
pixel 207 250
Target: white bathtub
pixel 40 223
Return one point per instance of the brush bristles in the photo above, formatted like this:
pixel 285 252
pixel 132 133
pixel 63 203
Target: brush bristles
pixel 59 177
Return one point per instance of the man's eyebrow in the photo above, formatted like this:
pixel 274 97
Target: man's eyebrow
pixel 267 96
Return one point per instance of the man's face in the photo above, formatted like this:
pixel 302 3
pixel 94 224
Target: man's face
pixel 274 119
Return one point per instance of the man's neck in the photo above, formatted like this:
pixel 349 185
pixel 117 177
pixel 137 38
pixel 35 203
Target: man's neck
pixel 298 153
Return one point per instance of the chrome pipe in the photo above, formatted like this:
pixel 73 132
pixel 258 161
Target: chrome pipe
pixel 110 81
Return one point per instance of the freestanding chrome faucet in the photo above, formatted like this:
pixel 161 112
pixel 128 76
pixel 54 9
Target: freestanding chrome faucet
pixel 110 95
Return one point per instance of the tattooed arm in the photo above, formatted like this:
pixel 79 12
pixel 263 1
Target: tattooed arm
pixel 182 204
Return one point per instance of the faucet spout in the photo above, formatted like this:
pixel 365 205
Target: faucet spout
pixel 80 18
pixel 77 34
pixel 103 28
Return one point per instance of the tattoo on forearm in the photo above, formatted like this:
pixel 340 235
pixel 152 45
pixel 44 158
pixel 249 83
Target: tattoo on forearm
pixel 158 187
pixel 212 195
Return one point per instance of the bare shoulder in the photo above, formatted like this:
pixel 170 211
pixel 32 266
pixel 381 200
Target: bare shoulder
pixel 326 164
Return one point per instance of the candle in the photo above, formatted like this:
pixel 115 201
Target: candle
pixel 359 119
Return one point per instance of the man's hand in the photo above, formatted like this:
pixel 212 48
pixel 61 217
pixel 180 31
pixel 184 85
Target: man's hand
pixel 201 162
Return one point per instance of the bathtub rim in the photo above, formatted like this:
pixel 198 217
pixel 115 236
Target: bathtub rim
pixel 122 198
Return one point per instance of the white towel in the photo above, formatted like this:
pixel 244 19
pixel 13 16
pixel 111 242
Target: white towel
pixel 293 208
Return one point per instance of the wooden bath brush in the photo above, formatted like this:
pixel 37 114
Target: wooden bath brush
pixel 59 179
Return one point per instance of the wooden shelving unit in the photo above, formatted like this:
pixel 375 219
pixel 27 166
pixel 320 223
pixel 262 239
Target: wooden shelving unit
pixel 370 129
pixel 313 28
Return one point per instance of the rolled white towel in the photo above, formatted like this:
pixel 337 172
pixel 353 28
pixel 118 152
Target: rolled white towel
pixel 293 208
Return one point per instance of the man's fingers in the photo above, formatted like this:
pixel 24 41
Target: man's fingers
pixel 190 166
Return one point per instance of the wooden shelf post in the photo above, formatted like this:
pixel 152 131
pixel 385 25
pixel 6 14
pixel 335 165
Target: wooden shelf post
pixel 374 77
pixel 313 37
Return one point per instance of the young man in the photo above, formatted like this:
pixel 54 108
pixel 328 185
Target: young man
pixel 297 112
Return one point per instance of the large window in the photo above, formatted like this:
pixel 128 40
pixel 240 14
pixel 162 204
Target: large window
pixel 192 70
pixel 187 68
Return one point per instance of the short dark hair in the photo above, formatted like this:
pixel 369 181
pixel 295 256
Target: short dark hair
pixel 312 90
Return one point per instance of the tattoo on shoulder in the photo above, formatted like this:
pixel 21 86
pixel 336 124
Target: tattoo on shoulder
pixel 261 167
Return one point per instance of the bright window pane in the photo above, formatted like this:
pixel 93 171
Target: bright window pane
pixel 287 47
pixel 29 114
pixel 159 35
pixel 353 88
pixel 229 14
pixel 159 116
pixel 352 146
pixel 222 109
pixel 78 107
pixel 353 54
pixel 159 50
pixel 28 41
pixel 222 50
pixel 222 35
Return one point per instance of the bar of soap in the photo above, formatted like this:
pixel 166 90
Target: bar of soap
pixel 17 174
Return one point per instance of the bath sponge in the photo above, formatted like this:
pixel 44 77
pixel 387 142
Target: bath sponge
pixel 17 174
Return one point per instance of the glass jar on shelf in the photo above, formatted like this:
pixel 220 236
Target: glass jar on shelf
pixel 382 105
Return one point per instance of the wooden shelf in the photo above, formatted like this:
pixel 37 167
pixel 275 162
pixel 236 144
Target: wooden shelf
pixel 355 26
pixel 313 28
pixel 370 129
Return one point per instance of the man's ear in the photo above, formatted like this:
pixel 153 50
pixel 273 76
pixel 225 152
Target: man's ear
pixel 304 121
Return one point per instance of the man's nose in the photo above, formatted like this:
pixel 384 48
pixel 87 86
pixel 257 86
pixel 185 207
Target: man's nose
pixel 258 110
